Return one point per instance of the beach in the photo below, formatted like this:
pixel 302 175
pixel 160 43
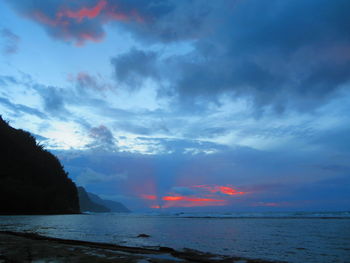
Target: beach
pixel 28 247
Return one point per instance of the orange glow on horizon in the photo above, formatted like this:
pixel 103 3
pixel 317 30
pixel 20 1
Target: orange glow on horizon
pixel 149 197
pixel 173 198
pixel 214 196
pixel 191 204
pixel 229 190
pixel 190 199
pixel 221 189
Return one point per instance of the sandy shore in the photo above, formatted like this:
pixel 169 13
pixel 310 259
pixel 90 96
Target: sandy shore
pixel 28 247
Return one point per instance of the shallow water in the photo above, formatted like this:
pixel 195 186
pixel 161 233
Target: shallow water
pixel 292 237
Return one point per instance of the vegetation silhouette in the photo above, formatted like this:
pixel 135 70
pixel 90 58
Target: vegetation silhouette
pixel 32 180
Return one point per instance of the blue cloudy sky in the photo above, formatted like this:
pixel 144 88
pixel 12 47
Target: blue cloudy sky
pixel 229 105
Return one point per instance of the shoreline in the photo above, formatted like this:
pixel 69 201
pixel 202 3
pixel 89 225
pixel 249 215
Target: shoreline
pixel 31 247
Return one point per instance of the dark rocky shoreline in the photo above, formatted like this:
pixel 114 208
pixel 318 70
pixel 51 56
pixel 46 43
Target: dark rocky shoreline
pixel 31 247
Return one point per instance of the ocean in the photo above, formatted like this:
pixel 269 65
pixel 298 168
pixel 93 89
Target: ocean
pixel 290 237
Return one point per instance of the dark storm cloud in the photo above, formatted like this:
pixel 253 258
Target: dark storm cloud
pixel 151 20
pixel 284 54
pixel 170 20
pixel 133 67
pixel 10 41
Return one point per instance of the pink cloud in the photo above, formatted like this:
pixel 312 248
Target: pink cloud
pixel 83 23
pixel 228 190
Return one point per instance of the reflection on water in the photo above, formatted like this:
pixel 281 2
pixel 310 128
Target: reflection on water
pixel 289 238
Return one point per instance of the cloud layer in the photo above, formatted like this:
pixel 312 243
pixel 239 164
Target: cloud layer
pixel 228 104
pixel 290 55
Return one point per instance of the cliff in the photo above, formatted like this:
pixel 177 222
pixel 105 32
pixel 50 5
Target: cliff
pixel 111 205
pixel 86 205
pixel 32 180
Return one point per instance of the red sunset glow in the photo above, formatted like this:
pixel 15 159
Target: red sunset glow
pixel 213 197
pixel 190 199
pixel 84 12
pixel 149 197
pixel 192 204
pixel 220 189
pixel 65 19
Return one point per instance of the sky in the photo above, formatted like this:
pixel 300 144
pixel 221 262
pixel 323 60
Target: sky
pixel 186 105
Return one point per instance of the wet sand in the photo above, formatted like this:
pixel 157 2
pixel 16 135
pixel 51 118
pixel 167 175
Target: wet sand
pixel 29 247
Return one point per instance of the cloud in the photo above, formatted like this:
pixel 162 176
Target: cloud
pixel 82 21
pixel 223 189
pixel 8 80
pixel 102 139
pixel 180 146
pixel 186 201
pixel 288 179
pixel 130 126
pixel 20 108
pixel 86 81
pixel 277 56
pixel 183 190
pixel 134 67
pixel 53 100
pixel 193 196
pixel 170 20
pixel 10 41
pixel 89 176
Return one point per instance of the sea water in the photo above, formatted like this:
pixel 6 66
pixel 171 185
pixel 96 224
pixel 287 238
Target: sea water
pixel 290 237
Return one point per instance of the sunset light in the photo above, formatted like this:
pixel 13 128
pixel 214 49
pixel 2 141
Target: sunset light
pixel 219 196
pixel 227 190
pixel 159 125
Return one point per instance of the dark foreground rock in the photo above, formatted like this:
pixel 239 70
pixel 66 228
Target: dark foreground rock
pixel 28 247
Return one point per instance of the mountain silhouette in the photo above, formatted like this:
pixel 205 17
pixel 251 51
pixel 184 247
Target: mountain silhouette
pixel 113 206
pixel 32 180
pixel 87 205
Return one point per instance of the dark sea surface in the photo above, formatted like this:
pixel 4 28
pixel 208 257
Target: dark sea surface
pixel 291 237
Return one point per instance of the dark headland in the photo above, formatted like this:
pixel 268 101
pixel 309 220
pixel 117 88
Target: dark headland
pixel 32 180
